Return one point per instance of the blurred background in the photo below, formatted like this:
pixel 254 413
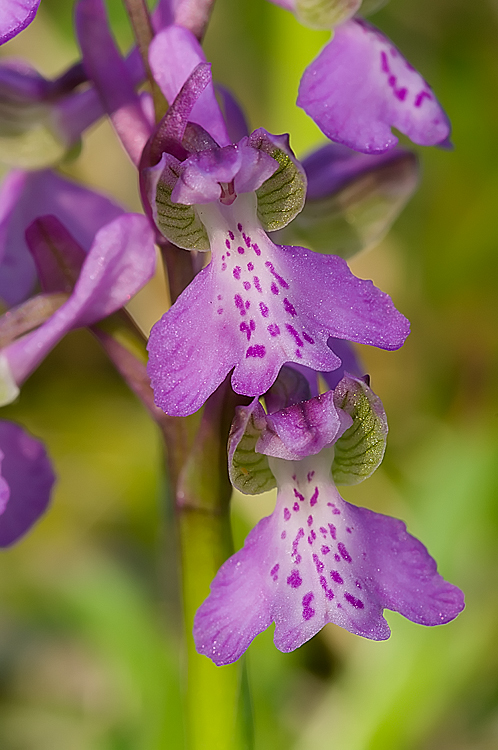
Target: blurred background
pixel 89 614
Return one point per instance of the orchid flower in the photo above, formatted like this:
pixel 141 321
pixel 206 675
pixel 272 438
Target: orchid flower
pixel 360 85
pixel 119 262
pixel 26 480
pixel 26 195
pixel 256 305
pixel 316 559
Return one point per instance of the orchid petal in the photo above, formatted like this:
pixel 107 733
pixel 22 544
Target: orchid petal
pixel 360 85
pixel 108 71
pixel 315 560
pixel 350 362
pixel 15 15
pixel 25 196
pixel 27 474
pixel 303 429
pixel 233 114
pixel 352 199
pixel 120 261
pixel 260 305
pixel 173 54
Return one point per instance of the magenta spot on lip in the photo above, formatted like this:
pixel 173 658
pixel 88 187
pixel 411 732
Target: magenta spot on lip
pixel 227 243
pixel 239 227
pixel 274 273
pixel 219 310
pixel 244 327
pixel 348 529
pixel 231 235
pixel 256 249
pixel 318 563
pixel 247 240
pixel 252 325
pixel 223 266
pixel 294 580
pixel 314 497
pixel 294 553
pixel 236 272
pixel 283 535
pixel 256 284
pixel 325 550
pixel 274 288
pixel 296 507
pixel 337 557
pixel 258 351
pixel 401 94
pixel 343 552
pixel 264 310
pixel 248 304
pixel 392 81
pixel 239 303
pixel 310 520
pixel 323 531
pixel 357 603
pixel 308 338
pixel 240 250
pixel 313 535
pixel 298 354
pixel 384 63
pixel 328 592
pixel 274 571
pixel 308 611
pixel 335 511
pixel 250 266
pixel 311 474
pixel 298 495
pixel 332 530
pixel 228 255
pixel 219 297
pixel 287 514
pixel 336 576
pixel 247 286
pixel 294 333
pixel 273 329
pixel 289 308
pixel 420 98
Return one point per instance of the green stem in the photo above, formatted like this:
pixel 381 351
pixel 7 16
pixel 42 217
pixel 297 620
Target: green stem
pixel 203 497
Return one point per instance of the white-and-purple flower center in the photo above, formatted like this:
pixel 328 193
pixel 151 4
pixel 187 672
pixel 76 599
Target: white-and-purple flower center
pixel 317 548
pixel 254 291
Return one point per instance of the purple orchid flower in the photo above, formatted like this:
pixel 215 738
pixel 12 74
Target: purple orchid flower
pixel 26 481
pixel 120 261
pixel 317 559
pixel 15 15
pixel 360 85
pixel 26 195
pixel 257 305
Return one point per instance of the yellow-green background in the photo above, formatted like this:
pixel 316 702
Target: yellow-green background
pixel 89 618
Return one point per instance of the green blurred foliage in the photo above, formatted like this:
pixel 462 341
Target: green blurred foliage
pixel 89 614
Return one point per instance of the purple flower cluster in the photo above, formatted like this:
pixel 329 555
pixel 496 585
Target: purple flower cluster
pixel 269 314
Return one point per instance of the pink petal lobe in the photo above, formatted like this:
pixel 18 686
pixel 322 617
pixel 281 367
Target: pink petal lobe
pixel 360 86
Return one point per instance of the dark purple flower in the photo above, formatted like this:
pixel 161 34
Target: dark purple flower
pixel 257 305
pixel 317 559
pixel 360 86
pixel 26 480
